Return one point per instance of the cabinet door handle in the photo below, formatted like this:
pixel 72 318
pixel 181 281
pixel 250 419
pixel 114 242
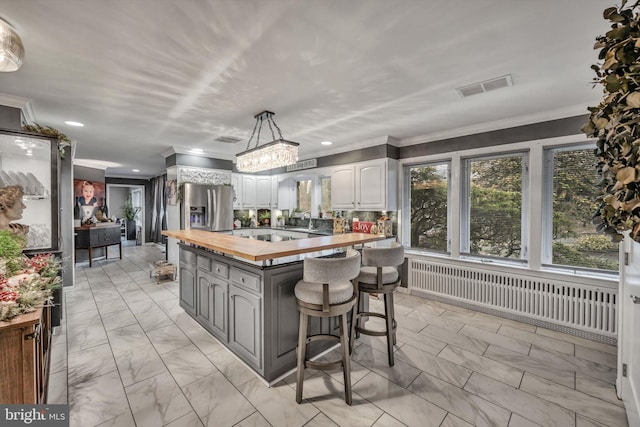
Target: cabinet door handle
pixel 218 270
pixel 636 300
pixel 242 279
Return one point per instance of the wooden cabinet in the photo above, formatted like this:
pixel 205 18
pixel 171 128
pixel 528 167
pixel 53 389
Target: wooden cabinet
pixel 187 286
pixel 245 325
pixel 25 343
pixel 365 186
pixel 211 303
pixel 97 236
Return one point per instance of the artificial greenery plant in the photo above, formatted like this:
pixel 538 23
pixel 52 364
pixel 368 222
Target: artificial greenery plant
pixel 615 122
pixel 130 213
pixel 63 140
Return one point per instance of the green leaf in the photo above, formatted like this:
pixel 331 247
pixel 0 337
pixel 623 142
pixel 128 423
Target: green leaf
pixel 609 11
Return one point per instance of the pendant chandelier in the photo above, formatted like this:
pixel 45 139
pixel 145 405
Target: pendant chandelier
pixel 275 154
pixel 11 48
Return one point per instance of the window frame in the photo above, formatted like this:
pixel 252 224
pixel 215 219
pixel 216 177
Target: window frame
pixel 546 253
pixel 465 207
pixel 407 203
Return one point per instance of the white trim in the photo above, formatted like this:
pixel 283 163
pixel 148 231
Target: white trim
pixel 558 114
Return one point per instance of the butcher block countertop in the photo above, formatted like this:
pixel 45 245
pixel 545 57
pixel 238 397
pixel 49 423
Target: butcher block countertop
pixel 257 250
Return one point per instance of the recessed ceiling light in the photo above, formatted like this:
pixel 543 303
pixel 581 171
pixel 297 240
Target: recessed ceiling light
pixel 326 143
pixel 77 124
pixel 135 170
pixel 197 150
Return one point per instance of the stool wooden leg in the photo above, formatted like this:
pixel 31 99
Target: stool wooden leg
pixel 302 350
pixel 354 320
pixel 346 363
pixel 389 319
pixel 393 316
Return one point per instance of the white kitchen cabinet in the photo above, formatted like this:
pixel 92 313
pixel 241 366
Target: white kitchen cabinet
pixel 263 192
pixel 236 183
pixel 287 194
pixel 274 192
pixel 248 191
pixel 368 185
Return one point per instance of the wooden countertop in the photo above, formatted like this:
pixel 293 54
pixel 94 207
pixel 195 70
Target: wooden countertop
pixel 257 250
pixel 98 225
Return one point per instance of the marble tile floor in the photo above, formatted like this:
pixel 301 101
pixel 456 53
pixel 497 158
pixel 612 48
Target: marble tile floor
pixel 127 355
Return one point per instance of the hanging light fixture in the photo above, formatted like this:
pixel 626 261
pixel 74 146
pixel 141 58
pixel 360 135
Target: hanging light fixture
pixel 11 49
pixel 272 155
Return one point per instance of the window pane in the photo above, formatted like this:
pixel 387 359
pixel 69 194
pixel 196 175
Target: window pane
pixel 429 206
pixel 495 215
pixel 304 195
pixel 325 184
pixel 575 241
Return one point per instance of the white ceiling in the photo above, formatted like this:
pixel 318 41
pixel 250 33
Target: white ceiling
pixel 148 76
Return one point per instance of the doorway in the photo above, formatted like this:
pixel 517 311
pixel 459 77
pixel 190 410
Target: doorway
pixel 117 194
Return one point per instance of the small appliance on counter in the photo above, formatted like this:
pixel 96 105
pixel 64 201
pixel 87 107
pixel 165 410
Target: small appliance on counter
pixel 207 207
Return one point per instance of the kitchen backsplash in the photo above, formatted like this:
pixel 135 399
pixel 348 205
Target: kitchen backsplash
pixel 244 215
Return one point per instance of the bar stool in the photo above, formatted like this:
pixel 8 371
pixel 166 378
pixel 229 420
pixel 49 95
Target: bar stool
pixel 326 290
pixel 379 274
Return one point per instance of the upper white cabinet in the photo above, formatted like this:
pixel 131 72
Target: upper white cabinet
pixel 368 185
pixel 263 192
pixel 343 187
pixel 254 191
pixel 248 191
pixel 287 194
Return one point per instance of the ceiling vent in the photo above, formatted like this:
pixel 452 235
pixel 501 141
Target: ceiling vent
pixel 486 86
pixel 227 139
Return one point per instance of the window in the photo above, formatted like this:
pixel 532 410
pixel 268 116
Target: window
pixel 304 195
pixel 570 202
pixel 325 194
pixel 429 206
pixel 493 211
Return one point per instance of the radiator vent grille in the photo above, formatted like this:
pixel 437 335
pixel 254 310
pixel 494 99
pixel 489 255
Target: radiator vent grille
pixel 585 307
pixel 227 139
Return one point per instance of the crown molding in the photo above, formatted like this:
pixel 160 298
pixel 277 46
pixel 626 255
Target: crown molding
pixel 24 104
pixel 575 110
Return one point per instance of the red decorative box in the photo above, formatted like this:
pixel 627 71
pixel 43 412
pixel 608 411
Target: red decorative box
pixel 362 226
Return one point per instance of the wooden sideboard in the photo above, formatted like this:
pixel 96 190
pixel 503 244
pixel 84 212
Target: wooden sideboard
pixel 25 344
pixel 97 236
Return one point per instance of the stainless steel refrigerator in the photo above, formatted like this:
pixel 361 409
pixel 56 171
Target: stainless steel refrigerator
pixel 207 207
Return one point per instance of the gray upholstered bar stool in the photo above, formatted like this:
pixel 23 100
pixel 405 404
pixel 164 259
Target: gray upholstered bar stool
pixel 379 274
pixel 326 290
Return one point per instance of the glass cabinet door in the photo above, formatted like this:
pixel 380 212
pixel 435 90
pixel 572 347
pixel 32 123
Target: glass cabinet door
pixel 30 162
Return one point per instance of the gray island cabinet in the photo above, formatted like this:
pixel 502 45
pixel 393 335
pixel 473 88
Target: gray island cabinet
pixel 251 309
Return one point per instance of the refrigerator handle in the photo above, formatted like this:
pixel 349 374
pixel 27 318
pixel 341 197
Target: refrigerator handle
pixel 212 208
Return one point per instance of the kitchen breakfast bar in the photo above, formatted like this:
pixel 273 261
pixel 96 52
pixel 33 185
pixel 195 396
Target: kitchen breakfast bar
pixel 240 288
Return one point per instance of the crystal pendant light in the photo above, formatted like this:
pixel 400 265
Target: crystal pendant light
pixel 11 49
pixel 275 154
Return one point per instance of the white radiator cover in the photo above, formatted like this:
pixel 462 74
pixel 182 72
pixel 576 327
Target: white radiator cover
pixel 541 300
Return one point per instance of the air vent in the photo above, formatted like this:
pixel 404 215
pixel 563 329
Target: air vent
pixel 486 86
pixel 227 139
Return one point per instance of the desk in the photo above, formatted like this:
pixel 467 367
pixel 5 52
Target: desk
pixel 97 236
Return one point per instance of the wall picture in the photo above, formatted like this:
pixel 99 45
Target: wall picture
pixel 172 192
pixel 89 196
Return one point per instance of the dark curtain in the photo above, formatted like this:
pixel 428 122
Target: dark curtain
pixel 159 214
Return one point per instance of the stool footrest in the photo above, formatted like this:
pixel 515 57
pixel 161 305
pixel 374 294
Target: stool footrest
pixel 365 331
pixel 323 366
pixel 322 337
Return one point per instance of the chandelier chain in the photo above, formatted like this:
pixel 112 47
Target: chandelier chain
pixel 276 126
pixel 252 133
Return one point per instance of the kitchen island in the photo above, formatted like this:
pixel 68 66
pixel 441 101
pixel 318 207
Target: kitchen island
pixel 241 290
